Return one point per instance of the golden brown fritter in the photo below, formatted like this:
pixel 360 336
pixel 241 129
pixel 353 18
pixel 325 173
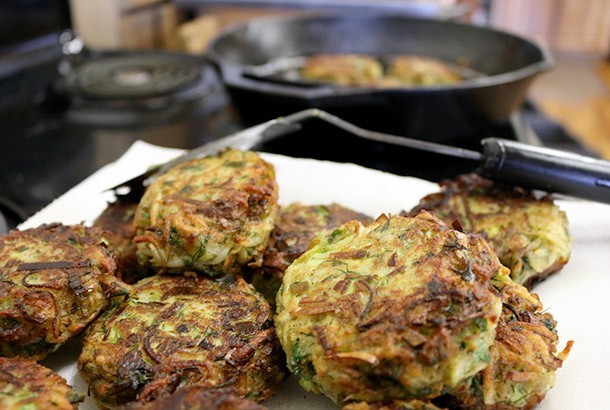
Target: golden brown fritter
pixel 117 221
pixel 343 69
pixel 54 280
pixel 400 309
pixel 27 385
pixel 295 228
pixel 197 398
pixel 211 214
pixel 177 331
pixel 523 356
pixel 367 71
pixel 393 405
pixel 529 234
pixel 413 70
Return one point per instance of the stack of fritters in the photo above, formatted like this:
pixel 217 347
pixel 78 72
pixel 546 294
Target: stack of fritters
pixel 405 312
pixel 191 325
pixel 399 309
pixel 529 233
pixel 296 226
pixel 410 313
pixel 117 221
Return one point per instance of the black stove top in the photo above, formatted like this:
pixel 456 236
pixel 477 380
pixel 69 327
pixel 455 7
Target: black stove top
pixel 55 138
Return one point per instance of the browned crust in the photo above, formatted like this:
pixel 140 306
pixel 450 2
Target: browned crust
pixel 372 340
pixel 392 405
pixel 474 184
pixel 199 332
pixel 505 196
pixel 46 389
pixel 525 350
pixel 197 398
pixel 56 279
pixel 188 218
pixel 295 228
pixel 117 221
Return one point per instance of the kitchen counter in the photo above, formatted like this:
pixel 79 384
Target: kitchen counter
pixel 576 94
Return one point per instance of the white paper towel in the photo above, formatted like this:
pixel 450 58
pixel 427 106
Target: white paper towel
pixel 578 296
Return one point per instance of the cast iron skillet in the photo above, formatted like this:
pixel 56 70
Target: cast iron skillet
pixel 508 65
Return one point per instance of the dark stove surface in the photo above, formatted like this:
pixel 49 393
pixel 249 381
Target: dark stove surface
pixel 50 144
pixel 10 215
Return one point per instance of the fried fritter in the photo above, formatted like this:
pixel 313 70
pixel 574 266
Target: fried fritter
pixel 212 214
pixel 295 228
pixel 25 384
pixel 117 221
pixel 529 234
pixel 523 356
pixel 177 331
pixel 197 398
pixel 393 405
pixel 343 69
pixel 417 70
pixel 400 309
pixel 54 280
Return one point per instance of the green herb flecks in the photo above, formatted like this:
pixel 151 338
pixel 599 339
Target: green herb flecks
pixel 174 238
pixel 200 251
pixel 481 324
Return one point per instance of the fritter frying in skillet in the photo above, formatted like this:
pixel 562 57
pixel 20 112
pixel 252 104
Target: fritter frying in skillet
pixel 523 356
pixel 417 70
pixel 295 228
pixel 176 331
pixel 197 398
pixel 212 214
pixel 117 221
pixel 529 234
pixel 368 71
pixel 54 280
pixel 343 69
pixel 27 385
pixel 400 309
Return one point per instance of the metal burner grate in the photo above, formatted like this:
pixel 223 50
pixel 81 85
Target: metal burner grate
pixel 133 76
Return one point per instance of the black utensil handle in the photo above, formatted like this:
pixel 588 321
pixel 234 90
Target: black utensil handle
pixel 546 169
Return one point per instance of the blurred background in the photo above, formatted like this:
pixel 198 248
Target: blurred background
pixel 60 120
pixel 577 32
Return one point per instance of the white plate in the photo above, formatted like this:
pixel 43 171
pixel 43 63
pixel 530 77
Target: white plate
pixel 578 296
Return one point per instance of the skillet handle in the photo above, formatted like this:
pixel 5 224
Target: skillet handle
pixel 546 169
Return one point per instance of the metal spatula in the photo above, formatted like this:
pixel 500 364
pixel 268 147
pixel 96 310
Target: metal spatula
pixel 501 160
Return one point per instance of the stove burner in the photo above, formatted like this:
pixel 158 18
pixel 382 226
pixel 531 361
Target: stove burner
pixel 135 89
pixel 133 76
